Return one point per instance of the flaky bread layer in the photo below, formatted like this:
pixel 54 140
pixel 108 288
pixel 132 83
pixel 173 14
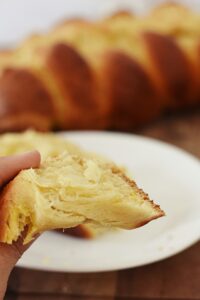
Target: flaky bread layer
pixel 68 191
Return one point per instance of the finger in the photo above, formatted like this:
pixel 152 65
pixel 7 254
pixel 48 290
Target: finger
pixel 10 254
pixel 18 247
pixel 10 166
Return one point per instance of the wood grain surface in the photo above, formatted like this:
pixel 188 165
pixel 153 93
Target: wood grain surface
pixel 176 278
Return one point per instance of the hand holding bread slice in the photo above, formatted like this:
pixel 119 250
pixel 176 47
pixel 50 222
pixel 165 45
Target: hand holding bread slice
pixel 68 190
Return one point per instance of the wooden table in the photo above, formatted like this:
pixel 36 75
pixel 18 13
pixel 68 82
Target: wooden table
pixel 175 278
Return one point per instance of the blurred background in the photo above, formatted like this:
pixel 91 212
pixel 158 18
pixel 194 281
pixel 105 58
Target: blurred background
pixel 175 278
pixel 20 18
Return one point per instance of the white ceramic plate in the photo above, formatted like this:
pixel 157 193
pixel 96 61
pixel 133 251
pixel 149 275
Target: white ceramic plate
pixel 168 174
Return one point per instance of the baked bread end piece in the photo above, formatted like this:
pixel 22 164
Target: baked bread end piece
pixel 69 190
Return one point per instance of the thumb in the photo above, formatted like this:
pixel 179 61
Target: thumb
pixel 10 166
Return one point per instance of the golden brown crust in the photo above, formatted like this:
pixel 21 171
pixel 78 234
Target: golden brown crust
pixel 4 212
pixel 72 21
pixel 100 86
pixel 73 75
pixel 143 195
pixel 173 69
pixel 23 122
pixel 163 7
pixel 130 90
pixel 77 84
pixel 24 101
pixel 119 14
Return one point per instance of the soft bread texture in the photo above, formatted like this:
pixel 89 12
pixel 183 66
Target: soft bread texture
pixel 49 145
pixel 120 72
pixel 69 190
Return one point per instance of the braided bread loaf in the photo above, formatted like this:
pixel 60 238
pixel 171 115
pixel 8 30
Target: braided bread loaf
pixel 120 72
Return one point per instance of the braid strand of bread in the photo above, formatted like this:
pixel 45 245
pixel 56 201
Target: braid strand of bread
pixel 121 72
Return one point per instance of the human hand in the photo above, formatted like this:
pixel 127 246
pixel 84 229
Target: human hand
pixel 9 254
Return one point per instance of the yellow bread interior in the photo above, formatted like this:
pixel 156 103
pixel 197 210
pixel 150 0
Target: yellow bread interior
pixel 69 190
pixel 48 144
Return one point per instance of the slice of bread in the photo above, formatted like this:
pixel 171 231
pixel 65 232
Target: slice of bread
pixel 69 190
